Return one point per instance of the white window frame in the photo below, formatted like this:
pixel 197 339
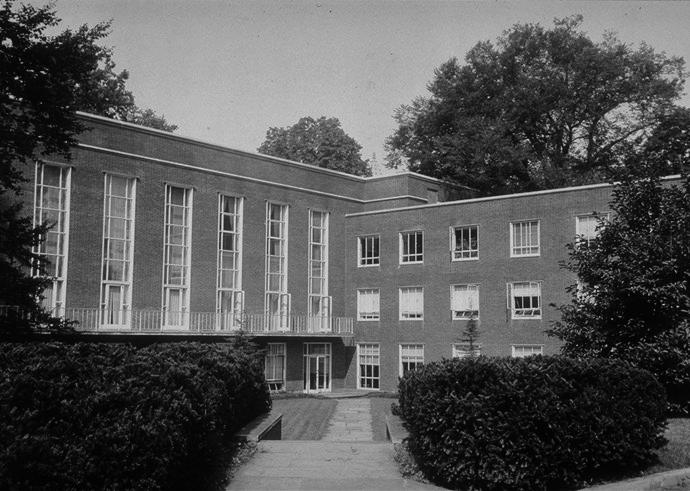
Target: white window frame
pixel 279 320
pixel 372 315
pixel 177 320
pixel 458 253
pixel 467 314
pixel 123 316
pixel 410 353
pixel 529 312
pixel 364 247
pixel 275 384
pixel 319 320
pixel 232 318
pixel 516 348
pixel 408 315
pixel 409 239
pixel 372 352
pixel 579 233
pixel 462 350
pixel 525 250
pixel 56 303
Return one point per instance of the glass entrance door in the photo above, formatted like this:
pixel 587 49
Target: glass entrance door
pixel 317 367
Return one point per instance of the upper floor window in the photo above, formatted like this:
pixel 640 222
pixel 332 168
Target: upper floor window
pixel 368 253
pixel 368 304
pixel 464 301
pixel 51 198
pixel 118 241
pixel 229 294
pixel 176 255
pixel 525 350
pixel 411 305
pixel 411 247
pixel 465 243
pixel 277 299
pixel 587 227
pixel 524 238
pixel 524 299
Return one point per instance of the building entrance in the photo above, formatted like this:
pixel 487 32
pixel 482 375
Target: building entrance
pixel 317 367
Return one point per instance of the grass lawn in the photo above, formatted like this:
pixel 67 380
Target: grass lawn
pixel 304 418
pixel 380 407
pixel 676 454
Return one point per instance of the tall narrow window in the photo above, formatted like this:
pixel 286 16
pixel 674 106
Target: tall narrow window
pixel 369 361
pixel 176 256
pixel 524 299
pixel 368 304
pixel 51 207
pixel 411 304
pixel 411 357
pixel 274 370
pixel 277 300
pixel 464 301
pixel 368 250
pixel 524 238
pixel 465 243
pixel 411 247
pixel 118 242
pixel 229 295
pixel 319 309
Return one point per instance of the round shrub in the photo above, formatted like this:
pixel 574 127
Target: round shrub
pixel 115 416
pixel 532 423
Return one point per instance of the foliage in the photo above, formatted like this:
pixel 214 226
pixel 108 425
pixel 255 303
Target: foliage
pixel 531 423
pixel 112 416
pixel 633 298
pixel 44 79
pixel 668 147
pixel 470 335
pixel 539 108
pixel 320 142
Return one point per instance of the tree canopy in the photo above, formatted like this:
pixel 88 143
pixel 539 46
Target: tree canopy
pixel 44 80
pixel 633 295
pixel 538 108
pixel 320 142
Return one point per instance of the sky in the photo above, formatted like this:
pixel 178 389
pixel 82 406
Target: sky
pixel 226 71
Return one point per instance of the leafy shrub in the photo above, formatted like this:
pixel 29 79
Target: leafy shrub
pixel 532 423
pixel 113 416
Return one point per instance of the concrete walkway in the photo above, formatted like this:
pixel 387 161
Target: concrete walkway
pixel 351 422
pixel 346 458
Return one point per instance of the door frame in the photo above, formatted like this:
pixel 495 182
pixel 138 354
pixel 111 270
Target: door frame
pixel 306 365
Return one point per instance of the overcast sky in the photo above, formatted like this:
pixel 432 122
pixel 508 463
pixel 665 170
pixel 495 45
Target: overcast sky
pixel 225 71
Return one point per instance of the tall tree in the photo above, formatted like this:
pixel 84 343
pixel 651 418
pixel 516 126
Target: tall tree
pixel 40 81
pixel 320 142
pixel 539 108
pixel 633 297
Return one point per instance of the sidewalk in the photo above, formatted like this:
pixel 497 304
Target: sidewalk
pixel 346 458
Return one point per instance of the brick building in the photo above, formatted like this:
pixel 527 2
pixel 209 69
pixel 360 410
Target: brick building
pixel 347 281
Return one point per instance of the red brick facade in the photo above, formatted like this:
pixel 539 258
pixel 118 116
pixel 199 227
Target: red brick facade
pixel 384 206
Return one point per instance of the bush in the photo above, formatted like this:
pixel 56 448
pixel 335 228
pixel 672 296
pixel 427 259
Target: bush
pixel 113 416
pixel 532 423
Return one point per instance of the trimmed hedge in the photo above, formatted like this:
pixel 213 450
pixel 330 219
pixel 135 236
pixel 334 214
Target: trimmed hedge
pixel 531 423
pixel 114 416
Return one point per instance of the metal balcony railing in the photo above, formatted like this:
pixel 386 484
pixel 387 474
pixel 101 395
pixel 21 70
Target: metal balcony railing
pixel 152 321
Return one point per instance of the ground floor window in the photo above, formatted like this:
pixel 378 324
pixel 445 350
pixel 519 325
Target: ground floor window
pixel 369 362
pixel 464 350
pixel 275 366
pixel 317 367
pixel 411 357
pixel 524 350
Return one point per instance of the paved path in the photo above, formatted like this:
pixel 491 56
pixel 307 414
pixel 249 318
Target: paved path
pixel 292 464
pixel 351 421
pixel 346 458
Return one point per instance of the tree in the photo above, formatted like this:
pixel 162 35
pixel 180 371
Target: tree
pixel 539 108
pixel 320 142
pixel 668 146
pixel 633 297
